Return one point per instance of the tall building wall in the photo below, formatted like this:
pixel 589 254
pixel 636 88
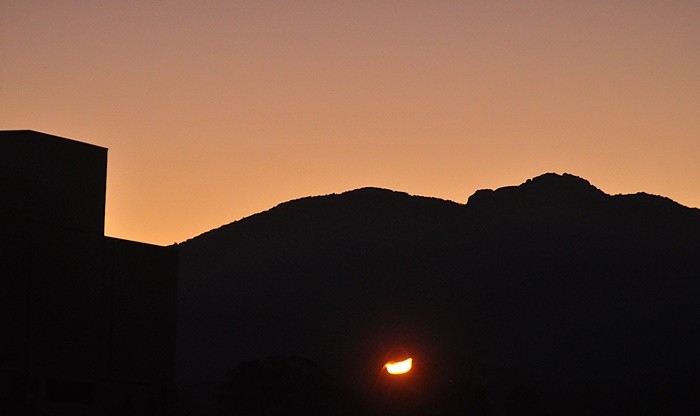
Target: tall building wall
pixel 52 180
pixel 87 321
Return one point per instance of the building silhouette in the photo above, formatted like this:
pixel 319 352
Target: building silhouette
pixel 87 322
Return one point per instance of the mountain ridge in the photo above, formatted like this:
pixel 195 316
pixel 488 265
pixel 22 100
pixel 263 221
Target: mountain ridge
pixel 551 284
pixel 545 185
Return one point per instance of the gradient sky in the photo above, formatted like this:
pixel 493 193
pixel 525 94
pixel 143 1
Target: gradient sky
pixel 213 111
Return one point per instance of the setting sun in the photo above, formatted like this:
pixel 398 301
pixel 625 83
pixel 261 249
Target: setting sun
pixel 399 367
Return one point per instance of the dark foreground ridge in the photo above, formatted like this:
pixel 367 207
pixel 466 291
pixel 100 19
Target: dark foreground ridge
pixel 550 297
pixel 546 298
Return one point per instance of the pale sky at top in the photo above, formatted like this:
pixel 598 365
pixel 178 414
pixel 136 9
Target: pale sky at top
pixel 213 111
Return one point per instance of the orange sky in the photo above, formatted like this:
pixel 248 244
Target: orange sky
pixel 213 111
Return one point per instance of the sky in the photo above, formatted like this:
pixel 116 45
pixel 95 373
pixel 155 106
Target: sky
pixel 214 111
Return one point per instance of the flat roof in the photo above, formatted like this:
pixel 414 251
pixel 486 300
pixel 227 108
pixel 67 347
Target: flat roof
pixel 24 134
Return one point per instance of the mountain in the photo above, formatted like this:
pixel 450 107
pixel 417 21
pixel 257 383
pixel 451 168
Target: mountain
pixel 550 296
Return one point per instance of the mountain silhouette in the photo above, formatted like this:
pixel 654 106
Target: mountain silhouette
pixel 547 297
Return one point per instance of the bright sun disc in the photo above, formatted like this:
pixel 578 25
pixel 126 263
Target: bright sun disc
pixel 399 367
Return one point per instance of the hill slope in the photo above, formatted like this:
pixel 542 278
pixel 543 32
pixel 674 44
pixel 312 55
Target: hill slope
pixel 582 298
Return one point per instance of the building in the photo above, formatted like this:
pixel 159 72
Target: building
pixel 87 321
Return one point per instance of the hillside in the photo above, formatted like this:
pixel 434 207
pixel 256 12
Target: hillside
pixel 586 301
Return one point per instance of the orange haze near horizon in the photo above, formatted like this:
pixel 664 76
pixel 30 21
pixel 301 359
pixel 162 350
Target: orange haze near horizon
pixel 213 111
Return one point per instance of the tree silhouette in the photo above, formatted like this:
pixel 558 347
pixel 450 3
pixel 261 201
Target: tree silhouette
pixel 281 385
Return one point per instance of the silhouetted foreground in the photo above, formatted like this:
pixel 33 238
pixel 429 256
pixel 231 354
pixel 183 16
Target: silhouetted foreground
pixel 282 385
pixel 546 298
pixel 87 322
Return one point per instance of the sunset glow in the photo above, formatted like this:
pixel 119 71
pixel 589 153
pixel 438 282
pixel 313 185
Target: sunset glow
pixel 399 367
pixel 215 111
